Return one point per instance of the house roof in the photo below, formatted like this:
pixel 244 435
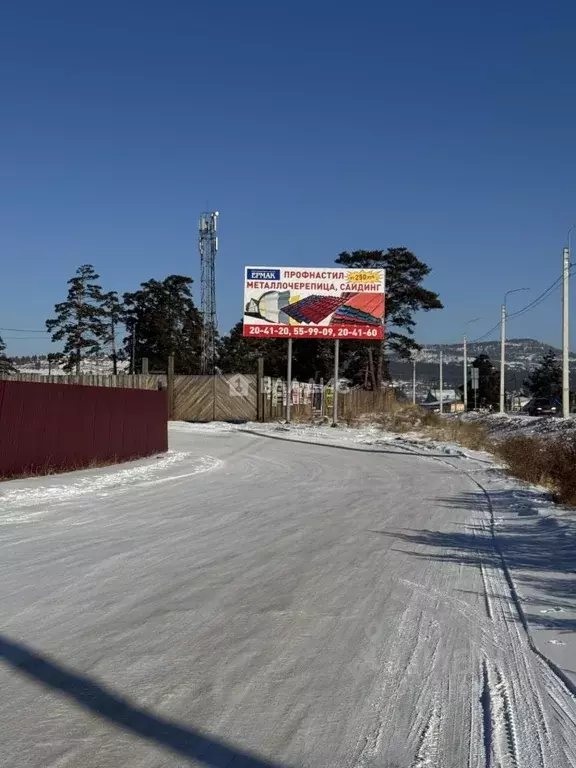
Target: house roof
pixel 448 395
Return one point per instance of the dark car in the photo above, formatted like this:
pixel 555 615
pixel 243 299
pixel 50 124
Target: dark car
pixel 544 406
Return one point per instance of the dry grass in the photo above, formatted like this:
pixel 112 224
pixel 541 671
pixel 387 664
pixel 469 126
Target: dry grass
pixel 549 463
pixel 409 418
pixel 399 418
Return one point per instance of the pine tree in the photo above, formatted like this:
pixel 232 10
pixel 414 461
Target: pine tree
pixel 6 365
pixel 311 359
pixel 79 320
pixel 113 315
pixel 546 379
pixel 54 359
pixel 405 296
pixel 162 319
pixel 488 393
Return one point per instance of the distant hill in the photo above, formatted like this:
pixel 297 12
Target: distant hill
pixel 522 356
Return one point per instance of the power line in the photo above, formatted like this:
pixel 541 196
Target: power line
pixel 488 333
pixel 552 288
pixel 23 330
pixel 538 300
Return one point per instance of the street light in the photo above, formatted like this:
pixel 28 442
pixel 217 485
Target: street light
pixel 465 351
pixel 503 347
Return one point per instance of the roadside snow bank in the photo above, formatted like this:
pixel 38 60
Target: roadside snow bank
pixel 47 491
pixel 501 426
pixel 370 436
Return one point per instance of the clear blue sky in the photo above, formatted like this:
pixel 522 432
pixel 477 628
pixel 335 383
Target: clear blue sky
pixel 313 127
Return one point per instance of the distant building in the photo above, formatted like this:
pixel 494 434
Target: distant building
pixel 519 402
pixel 450 400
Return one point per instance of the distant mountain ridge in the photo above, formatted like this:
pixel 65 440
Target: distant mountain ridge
pixel 521 354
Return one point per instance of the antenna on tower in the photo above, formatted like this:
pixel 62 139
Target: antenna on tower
pixel 208 246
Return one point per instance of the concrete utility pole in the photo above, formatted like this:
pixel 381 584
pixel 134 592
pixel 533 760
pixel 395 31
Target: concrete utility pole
pixel 566 259
pixel 566 331
pixel 465 363
pixel 502 407
pixel 441 393
pixel 465 372
pixel 502 356
pixel 413 380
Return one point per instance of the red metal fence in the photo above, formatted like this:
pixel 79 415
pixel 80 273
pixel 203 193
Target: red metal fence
pixel 55 427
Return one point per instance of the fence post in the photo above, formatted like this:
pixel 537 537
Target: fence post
pixel 170 378
pixel 145 365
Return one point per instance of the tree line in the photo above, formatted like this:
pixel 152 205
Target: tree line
pixel 157 320
pixel 161 319
pixel 544 381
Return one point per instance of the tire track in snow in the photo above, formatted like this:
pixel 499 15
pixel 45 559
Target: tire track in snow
pixel 538 746
pixel 428 748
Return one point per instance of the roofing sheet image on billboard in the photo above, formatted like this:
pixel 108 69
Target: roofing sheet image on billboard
pixel 314 302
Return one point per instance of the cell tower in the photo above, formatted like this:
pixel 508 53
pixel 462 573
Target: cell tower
pixel 208 246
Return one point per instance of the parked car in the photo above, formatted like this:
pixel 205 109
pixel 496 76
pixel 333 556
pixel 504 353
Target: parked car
pixel 544 406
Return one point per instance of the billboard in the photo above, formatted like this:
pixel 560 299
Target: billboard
pixel 314 302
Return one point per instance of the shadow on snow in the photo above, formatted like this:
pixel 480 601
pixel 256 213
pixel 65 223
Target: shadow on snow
pixel 540 551
pixel 181 740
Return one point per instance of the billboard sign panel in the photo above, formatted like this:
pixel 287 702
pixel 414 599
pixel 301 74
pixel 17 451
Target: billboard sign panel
pixel 314 302
pixel 475 378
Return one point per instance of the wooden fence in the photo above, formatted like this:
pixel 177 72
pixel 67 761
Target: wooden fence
pixel 235 397
pixel 123 381
pixel 191 398
pixel 315 402
pixel 215 398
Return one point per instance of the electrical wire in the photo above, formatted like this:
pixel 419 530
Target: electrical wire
pixel 537 301
pixel 23 330
pixel 552 288
pixel 485 336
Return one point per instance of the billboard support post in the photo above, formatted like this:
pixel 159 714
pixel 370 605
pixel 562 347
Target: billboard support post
pixel 289 382
pixel 336 371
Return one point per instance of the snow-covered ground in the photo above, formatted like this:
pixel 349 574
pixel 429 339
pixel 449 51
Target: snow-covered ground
pixel 298 597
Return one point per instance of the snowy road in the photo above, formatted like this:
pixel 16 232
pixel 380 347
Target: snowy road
pixel 256 603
